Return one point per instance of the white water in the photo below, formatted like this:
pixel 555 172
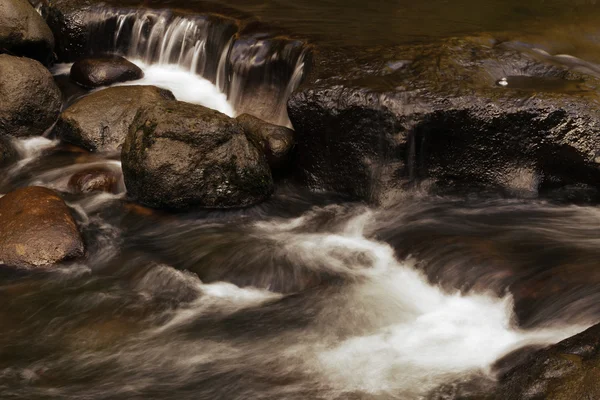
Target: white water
pixel 185 85
pixel 404 335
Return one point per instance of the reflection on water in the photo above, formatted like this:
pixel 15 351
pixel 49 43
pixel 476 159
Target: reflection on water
pixel 382 22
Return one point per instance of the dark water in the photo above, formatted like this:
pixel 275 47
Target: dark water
pixel 304 296
pixel 561 24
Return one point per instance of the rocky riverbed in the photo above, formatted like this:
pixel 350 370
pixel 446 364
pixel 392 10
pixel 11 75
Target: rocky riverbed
pixel 200 204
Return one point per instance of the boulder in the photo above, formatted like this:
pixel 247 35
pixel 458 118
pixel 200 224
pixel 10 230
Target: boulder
pixel 24 32
pixel 101 120
pixel 30 100
pixel 565 371
pixel 104 71
pixel 179 155
pixel 457 114
pixel 37 229
pixel 8 152
pixel 275 141
pixel 94 180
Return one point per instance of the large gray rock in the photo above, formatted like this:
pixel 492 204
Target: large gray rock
pixel 180 155
pixel 371 123
pixel 30 101
pixel 101 120
pixel 37 229
pixel 104 71
pixel 24 32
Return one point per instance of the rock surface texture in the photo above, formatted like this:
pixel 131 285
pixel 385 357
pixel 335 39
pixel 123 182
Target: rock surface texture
pixel 104 71
pixel 459 113
pixel 565 371
pixel 101 120
pixel 179 155
pixel 30 101
pixel 24 32
pixel 37 229
pixel 277 142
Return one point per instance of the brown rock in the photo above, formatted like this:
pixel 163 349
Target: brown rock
pixel 24 32
pixel 37 229
pixel 101 120
pixel 30 101
pixel 104 71
pixel 277 142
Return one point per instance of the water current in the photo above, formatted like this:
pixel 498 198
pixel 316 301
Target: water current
pixel 307 296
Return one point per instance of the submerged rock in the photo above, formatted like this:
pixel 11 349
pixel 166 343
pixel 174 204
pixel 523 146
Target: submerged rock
pixel 565 371
pixel 101 120
pixel 104 71
pixel 179 155
pixel 372 122
pixel 37 229
pixel 24 32
pixel 30 100
pixel 94 180
pixel 275 141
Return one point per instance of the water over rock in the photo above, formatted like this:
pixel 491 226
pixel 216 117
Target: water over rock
pixel 565 371
pixel 104 71
pixel 469 112
pixel 31 100
pixel 24 32
pixel 37 229
pixel 93 180
pixel 101 120
pixel 277 142
pixel 178 155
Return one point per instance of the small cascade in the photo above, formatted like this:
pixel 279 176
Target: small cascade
pixel 195 43
pixel 262 78
pixel 256 72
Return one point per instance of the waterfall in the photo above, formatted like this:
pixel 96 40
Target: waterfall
pixel 256 72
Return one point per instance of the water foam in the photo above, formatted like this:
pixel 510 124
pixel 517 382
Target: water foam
pixel 402 334
pixel 185 85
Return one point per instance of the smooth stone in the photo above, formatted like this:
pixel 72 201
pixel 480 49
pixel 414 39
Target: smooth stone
pixel 30 100
pixel 37 229
pixel 24 32
pixel 104 71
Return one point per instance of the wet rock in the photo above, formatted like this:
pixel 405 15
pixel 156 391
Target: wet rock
pixel 101 120
pixel 8 153
pixel 565 371
pixel 37 229
pixel 104 71
pixel 31 100
pixel 94 180
pixel 68 22
pixel 373 122
pixel 275 141
pixel 179 155
pixel 24 32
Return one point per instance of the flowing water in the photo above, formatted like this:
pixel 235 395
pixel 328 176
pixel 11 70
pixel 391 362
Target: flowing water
pixel 307 296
